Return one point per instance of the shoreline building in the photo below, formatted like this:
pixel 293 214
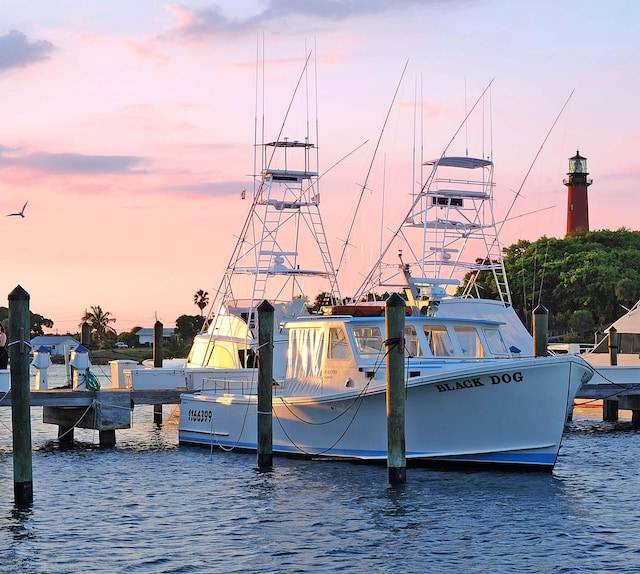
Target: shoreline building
pixel 577 183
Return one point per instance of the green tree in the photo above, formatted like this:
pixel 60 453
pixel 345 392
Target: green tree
pixel 201 299
pixel 579 272
pixel 129 337
pixel 98 320
pixel 626 291
pixel 188 326
pixel 175 347
pixel 36 321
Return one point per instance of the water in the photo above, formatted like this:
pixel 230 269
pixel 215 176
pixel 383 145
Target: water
pixel 150 506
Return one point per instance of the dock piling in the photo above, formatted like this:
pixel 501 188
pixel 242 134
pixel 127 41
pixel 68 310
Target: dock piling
pixel 540 331
pixel 396 394
pixel 19 329
pixel 613 346
pixel 158 337
pixel 265 385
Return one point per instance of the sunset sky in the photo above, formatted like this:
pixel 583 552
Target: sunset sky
pixel 129 128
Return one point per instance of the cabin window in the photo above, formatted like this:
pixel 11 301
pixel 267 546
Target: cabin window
pixel 628 343
pixel 438 340
pixel 496 342
pixel 368 341
pixel 305 353
pixel 411 342
pixel 470 341
pixel 338 344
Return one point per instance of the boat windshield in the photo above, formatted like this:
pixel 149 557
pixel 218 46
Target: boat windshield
pixel 496 342
pixel 338 344
pixel 368 341
pixel 439 340
pixel 470 341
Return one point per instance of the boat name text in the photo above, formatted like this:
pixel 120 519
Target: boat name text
pixel 516 377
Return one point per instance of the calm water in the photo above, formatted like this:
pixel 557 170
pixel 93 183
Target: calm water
pixel 151 506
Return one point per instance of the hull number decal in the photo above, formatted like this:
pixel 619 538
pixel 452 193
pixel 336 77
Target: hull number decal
pixel 199 416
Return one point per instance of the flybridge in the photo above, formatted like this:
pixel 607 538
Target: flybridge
pixel 288 175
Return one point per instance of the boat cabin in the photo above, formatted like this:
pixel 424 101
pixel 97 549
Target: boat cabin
pixel 331 353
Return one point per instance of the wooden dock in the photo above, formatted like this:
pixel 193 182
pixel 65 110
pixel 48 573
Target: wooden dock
pixel 106 410
pixel 614 397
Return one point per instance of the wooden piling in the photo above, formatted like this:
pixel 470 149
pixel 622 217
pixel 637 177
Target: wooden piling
pixel 610 410
pixel 396 394
pixel 613 346
pixel 265 385
pixel 540 331
pixel 157 415
pixel 158 338
pixel 85 335
pixel 19 331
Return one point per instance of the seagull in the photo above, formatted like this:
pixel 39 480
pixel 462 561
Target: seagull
pixel 21 212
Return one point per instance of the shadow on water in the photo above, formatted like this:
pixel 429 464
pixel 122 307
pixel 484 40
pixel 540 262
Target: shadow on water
pixel 18 523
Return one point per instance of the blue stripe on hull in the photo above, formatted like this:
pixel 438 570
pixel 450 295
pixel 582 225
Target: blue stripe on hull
pixel 536 459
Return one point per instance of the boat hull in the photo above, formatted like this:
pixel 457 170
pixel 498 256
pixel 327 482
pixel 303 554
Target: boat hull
pixel 502 412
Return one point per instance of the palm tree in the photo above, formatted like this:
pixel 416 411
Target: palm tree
pixel 201 299
pixel 99 321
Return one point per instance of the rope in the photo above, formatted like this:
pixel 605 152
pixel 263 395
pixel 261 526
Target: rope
pixel 310 423
pixel 92 405
pixel 303 451
pixel 91 381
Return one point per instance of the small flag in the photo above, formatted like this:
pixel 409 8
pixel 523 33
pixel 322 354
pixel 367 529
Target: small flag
pixel 243 194
pixel 315 198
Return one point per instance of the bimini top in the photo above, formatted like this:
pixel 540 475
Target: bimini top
pixel 464 162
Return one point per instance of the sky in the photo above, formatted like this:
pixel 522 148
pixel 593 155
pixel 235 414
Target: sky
pixel 129 128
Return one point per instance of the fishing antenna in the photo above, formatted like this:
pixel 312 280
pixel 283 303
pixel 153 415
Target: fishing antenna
pixel 370 277
pixel 364 185
pixel 506 217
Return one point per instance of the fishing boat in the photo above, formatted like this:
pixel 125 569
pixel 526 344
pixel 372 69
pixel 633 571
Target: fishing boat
pixel 475 394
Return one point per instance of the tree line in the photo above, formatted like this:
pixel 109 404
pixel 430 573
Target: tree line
pixel 586 280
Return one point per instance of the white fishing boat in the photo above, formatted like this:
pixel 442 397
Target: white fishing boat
pixel 474 392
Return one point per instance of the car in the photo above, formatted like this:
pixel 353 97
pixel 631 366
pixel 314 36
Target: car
pixel 121 345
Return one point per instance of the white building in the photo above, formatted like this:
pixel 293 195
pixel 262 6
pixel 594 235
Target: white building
pixel 57 343
pixel 145 336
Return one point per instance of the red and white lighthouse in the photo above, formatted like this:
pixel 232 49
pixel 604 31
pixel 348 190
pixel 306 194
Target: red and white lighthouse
pixel 577 184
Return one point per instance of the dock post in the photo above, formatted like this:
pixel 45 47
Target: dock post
pixel 157 414
pixel 65 436
pixel 540 331
pixel 265 385
pixel 158 336
pixel 85 335
pixel 610 410
pixel 610 406
pixel 396 393
pixel 613 346
pixel 19 331
pixel 107 438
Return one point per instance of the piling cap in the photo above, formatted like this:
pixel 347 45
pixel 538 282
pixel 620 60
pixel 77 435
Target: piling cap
pixel 81 349
pixel 19 294
pixel 265 306
pixel 396 301
pixel 43 349
pixel 540 310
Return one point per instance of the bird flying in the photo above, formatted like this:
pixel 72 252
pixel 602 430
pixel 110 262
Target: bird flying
pixel 21 212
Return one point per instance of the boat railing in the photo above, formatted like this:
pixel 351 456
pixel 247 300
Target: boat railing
pixel 227 386
pixel 234 386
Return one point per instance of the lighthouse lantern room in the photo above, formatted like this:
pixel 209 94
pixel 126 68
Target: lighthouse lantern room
pixel 577 203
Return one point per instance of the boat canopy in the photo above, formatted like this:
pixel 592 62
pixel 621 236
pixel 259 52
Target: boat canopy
pixel 463 162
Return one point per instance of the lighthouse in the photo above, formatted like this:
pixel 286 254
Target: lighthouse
pixel 577 184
